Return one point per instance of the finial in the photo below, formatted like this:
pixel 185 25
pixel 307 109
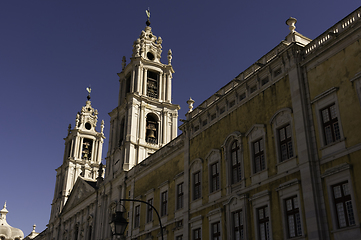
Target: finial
pixel 4 205
pixel 148 15
pixel 124 62
pixel 34 226
pixel 190 104
pixel 291 23
pixel 88 89
pixel 102 126
pixel 169 57
pixel 69 128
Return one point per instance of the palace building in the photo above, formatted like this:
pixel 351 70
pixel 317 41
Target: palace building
pixel 274 154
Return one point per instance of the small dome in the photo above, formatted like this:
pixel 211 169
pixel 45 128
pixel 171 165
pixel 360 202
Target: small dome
pixel 16 233
pixel 7 231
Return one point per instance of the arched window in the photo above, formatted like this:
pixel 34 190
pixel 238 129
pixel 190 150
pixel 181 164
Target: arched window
pixel 151 129
pixel 236 162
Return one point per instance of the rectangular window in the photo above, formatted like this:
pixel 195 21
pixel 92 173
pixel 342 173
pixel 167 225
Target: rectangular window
pixel 152 84
pixel 277 72
pixel 180 237
pixel 293 219
pixel 258 156
pixel 343 205
pixel 196 128
pixel 222 110
pixel 197 234
pixel 204 122
pixel 232 103
pixel 264 81
pixel 242 96
pixel 285 142
pixel 180 194
pixel 150 210
pixel 137 217
pixel 214 177
pixel 331 130
pixel 216 231
pixel 196 185
pixel 213 116
pixel 263 223
pixel 253 89
pixel 164 203
pixel 236 163
pixel 238 225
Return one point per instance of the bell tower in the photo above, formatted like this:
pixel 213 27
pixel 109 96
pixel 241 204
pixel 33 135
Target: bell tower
pixel 82 155
pixel 145 118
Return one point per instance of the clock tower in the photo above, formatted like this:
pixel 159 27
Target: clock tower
pixel 145 118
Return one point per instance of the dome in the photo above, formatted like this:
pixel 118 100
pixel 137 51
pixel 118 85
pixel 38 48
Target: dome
pixel 7 231
pixel 16 233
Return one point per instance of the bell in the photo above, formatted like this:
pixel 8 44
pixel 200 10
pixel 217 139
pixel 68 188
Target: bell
pixel 151 133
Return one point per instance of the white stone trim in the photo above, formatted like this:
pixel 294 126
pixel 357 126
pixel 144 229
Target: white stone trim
pixel 259 200
pixel 331 177
pixel 321 101
pixel 286 190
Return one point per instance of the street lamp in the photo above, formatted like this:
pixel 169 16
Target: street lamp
pixel 140 201
pixel 118 224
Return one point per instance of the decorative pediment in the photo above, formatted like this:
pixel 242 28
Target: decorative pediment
pixel 81 190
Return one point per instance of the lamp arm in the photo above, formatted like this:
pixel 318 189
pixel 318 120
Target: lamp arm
pixel 141 201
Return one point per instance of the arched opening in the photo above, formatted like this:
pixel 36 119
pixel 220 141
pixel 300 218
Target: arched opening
pixel 151 129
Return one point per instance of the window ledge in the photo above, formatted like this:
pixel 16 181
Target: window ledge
pixel 287 165
pixel 332 148
pixel 214 195
pixel 260 176
pixel 352 232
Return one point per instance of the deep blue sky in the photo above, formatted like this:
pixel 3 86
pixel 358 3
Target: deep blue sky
pixel 50 51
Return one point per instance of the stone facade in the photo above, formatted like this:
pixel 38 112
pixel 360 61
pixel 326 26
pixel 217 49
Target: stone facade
pixel 274 154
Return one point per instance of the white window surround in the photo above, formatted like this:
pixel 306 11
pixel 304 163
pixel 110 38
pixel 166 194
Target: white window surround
pixel 257 132
pixel 259 200
pixel 357 81
pixel 334 176
pixel 195 166
pixel 321 101
pixel 214 156
pixel 213 217
pixel 280 119
pixel 196 223
pixel 236 203
pixel 286 190
pixel 227 144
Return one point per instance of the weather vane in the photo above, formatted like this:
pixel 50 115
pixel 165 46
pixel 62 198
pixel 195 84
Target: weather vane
pixel 88 89
pixel 148 15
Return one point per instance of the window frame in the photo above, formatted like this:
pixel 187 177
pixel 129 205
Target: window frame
pixel 240 226
pixel 265 220
pixel 344 199
pixel 180 196
pixel 164 203
pixel 149 210
pixel 197 185
pixel 259 146
pixel 216 226
pixel 136 216
pixel 294 212
pixel 321 101
pixel 332 176
pixel 214 175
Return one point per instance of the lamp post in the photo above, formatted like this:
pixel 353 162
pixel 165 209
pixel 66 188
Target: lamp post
pixel 118 224
pixel 135 200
